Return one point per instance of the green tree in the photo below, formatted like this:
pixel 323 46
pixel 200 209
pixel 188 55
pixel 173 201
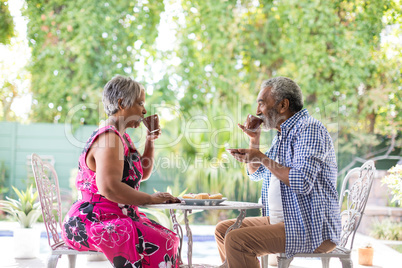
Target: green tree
pixel 333 49
pixel 14 78
pixel 6 23
pixel 77 46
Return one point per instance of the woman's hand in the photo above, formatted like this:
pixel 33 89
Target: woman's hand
pixel 153 136
pixel 158 198
pixel 248 155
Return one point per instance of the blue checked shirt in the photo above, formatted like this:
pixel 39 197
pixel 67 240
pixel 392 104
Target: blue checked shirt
pixel 310 204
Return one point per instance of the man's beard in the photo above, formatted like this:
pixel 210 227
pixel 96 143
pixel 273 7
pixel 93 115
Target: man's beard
pixel 270 121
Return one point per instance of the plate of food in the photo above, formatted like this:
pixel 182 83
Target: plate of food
pixel 202 199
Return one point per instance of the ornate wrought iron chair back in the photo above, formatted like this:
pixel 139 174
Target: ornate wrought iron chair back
pixel 356 197
pixel 49 196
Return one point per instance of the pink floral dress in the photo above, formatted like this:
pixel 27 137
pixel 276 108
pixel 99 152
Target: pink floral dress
pixel 126 236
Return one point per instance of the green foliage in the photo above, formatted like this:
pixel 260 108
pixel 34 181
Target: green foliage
pixel 332 49
pixel 25 210
pixel 397 247
pixel 387 230
pixel 14 78
pixel 212 169
pixel 394 183
pixel 341 53
pixel 3 175
pixel 77 46
pixel 6 23
pixel 193 151
pixel 7 95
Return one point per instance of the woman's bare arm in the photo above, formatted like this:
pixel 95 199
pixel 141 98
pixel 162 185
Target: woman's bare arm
pixel 108 156
pixel 147 158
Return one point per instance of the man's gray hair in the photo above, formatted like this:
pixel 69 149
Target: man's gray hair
pixel 120 87
pixel 285 88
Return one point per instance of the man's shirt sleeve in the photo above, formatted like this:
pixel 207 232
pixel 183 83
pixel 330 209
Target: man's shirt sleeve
pixel 262 172
pixel 258 174
pixel 310 151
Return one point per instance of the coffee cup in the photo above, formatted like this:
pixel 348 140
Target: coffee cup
pixel 253 122
pixel 152 123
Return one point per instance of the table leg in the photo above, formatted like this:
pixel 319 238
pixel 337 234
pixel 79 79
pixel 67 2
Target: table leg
pixel 190 239
pixel 235 225
pixel 179 232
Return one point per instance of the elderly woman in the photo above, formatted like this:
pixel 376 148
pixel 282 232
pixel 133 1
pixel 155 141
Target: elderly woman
pixel 110 171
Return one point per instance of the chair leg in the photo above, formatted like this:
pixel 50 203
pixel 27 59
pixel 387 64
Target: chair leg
pixel 283 262
pixel 346 262
pixel 52 261
pixel 71 261
pixel 264 261
pixel 325 262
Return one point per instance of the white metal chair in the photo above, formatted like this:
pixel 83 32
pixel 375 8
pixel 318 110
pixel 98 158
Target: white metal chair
pixel 49 196
pixel 356 199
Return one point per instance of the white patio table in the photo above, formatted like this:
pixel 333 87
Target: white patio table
pixel 187 209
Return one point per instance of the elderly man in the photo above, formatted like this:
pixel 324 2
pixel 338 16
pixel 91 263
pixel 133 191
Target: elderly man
pixel 301 212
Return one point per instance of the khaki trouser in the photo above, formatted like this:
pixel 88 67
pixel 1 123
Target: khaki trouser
pixel 256 237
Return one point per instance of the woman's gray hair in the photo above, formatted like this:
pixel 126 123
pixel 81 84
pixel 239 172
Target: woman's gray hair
pixel 120 87
pixel 285 88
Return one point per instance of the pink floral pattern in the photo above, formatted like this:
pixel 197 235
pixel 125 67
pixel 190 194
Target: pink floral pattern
pixel 111 233
pixel 126 236
pixel 85 183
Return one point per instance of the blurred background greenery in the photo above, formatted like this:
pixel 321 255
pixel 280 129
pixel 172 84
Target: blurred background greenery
pixel 202 63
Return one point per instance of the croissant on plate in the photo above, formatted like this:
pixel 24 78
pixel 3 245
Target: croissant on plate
pixel 202 196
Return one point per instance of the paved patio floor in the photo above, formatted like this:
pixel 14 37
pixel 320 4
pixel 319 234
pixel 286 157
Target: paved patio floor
pixel 204 252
